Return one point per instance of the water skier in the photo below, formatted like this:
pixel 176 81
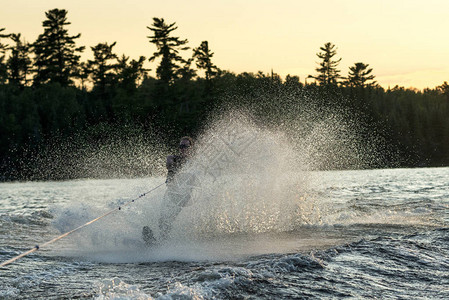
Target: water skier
pixel 177 196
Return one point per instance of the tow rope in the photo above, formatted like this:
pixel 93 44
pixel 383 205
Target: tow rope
pixel 37 247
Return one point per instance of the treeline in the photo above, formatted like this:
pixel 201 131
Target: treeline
pixel 48 95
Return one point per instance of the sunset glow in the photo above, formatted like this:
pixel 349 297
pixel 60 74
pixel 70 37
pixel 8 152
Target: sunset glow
pixel 404 41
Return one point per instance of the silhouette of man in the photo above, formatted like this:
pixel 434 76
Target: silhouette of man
pixel 178 194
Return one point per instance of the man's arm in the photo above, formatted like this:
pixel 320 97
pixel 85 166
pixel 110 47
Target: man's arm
pixel 170 162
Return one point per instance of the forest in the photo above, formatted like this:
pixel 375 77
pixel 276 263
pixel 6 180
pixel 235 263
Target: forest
pixel 49 96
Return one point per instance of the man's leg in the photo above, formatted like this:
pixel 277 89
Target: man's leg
pixel 169 212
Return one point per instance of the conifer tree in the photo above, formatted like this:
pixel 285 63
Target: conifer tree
pixel 203 57
pixel 185 72
pixel 83 73
pixel 359 75
pixel 56 54
pixel 19 63
pixel 328 74
pixel 130 74
pixel 168 48
pixel 444 90
pixel 3 49
pixel 292 82
pixel 102 67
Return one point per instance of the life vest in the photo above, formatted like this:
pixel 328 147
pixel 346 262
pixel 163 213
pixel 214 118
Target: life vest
pixel 178 163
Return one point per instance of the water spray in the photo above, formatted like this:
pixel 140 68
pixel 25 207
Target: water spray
pixel 37 247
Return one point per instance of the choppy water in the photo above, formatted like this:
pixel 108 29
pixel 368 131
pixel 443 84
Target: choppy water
pixel 366 234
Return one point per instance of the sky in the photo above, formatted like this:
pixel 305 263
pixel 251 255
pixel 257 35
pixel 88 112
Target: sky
pixel 406 42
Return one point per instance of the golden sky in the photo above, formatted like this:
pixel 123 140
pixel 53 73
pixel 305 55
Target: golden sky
pixel 404 41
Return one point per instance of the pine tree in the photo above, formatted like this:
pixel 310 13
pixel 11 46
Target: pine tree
pixel 101 68
pixel 168 48
pixel 3 49
pixel 203 57
pixel 359 75
pixel 186 72
pixel 130 74
pixel 83 73
pixel 56 54
pixel 328 74
pixel 292 82
pixel 444 90
pixel 19 63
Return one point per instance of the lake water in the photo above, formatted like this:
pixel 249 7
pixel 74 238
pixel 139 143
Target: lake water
pixel 358 234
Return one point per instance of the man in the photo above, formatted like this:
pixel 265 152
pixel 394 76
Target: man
pixel 177 196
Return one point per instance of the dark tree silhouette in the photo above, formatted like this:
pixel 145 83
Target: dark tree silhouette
pixel 3 48
pixel 56 54
pixel 444 89
pixel 328 74
pixel 83 73
pixel 359 75
pixel 102 67
pixel 168 48
pixel 185 72
pixel 33 119
pixel 292 82
pixel 203 57
pixel 19 63
pixel 130 74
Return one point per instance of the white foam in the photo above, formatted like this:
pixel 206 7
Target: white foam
pixel 116 289
pixel 253 181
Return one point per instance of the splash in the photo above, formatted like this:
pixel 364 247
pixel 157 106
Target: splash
pixel 261 178
pixel 252 180
pixel 103 151
pixel 256 170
